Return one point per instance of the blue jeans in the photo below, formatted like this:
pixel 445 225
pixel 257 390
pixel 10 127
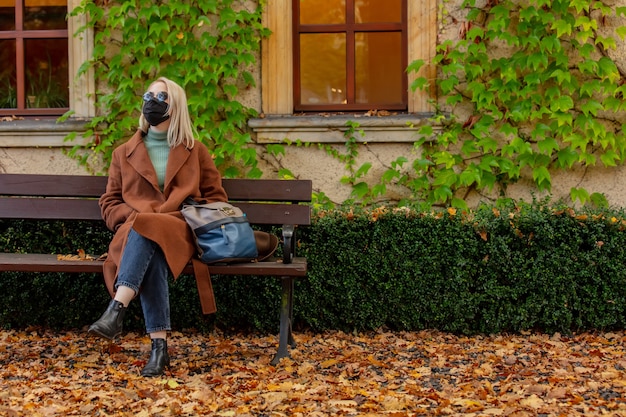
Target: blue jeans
pixel 144 269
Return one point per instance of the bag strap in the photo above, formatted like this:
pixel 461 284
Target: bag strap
pixel 205 287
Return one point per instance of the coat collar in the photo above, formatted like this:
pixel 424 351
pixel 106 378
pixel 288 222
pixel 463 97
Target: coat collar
pixel 138 158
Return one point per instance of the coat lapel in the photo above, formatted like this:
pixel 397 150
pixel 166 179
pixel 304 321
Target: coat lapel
pixel 138 158
pixel 177 158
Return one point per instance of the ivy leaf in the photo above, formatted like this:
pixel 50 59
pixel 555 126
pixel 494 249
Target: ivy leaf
pixel 363 170
pixel 446 178
pixel 591 107
pixel 416 65
pixel 599 200
pixel 360 189
pixel 562 28
pixel 562 103
pixel 547 145
pixel 610 158
pixel 442 193
pixel 579 194
pixel 566 157
pixel 542 177
pixel 471 175
pixel 420 83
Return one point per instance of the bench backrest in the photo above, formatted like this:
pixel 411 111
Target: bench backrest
pixel 75 197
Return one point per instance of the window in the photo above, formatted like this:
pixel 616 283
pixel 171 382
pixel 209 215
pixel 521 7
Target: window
pixel 278 82
pixel 34 57
pixel 44 130
pixel 277 75
pixel 350 55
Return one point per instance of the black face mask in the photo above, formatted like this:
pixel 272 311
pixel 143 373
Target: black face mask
pixel 154 112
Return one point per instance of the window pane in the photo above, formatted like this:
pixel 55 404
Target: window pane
pixel 8 86
pixel 379 69
pixel 377 11
pixel 314 12
pixel 45 14
pixel 46 73
pixel 7 15
pixel 323 68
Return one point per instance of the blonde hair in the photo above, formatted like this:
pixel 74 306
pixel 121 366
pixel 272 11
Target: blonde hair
pixel 180 130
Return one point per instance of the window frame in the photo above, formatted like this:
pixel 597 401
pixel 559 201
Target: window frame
pixel 277 56
pixel 25 132
pixel 21 35
pixel 350 28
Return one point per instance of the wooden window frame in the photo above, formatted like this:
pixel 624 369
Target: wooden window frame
pixel 350 28
pixel 20 36
pixel 277 56
pixel 48 132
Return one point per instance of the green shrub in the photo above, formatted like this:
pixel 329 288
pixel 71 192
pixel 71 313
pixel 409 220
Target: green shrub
pixel 525 266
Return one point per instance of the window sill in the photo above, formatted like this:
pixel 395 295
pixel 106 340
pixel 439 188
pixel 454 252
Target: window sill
pixel 321 129
pixel 32 133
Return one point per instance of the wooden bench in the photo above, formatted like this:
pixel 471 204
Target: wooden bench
pixel 75 197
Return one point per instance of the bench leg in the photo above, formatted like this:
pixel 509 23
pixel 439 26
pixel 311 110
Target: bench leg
pixel 285 337
pixel 292 341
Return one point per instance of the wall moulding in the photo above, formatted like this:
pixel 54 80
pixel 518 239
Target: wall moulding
pixel 321 129
pixel 40 133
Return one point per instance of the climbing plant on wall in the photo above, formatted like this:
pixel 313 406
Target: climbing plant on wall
pixel 540 91
pixel 208 47
pixel 526 89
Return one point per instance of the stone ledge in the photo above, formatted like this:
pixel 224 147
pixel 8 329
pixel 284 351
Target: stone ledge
pixel 29 133
pixel 383 129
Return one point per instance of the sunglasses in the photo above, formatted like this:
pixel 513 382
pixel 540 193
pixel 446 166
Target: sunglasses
pixel 161 96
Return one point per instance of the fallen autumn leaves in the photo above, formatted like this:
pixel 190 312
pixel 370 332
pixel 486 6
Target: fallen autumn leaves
pixel 44 373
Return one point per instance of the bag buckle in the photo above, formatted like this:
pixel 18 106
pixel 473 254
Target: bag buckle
pixel 228 211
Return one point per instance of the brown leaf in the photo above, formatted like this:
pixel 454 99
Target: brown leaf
pixel 335 373
pixel 471 121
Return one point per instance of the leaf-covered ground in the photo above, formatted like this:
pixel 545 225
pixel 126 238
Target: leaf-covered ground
pixel 44 373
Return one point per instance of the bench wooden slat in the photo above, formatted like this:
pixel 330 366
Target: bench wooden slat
pixel 76 209
pixel 268 190
pixel 276 213
pixel 37 262
pixel 49 209
pixel 52 185
pixel 94 186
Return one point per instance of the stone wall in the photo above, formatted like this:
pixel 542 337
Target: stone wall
pixel 326 171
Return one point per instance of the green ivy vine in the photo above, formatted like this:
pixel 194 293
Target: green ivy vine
pixel 207 46
pixel 535 77
pixel 543 94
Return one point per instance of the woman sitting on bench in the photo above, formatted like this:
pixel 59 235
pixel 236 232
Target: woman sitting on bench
pixel 149 178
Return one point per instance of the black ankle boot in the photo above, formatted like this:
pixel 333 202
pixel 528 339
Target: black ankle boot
pixel 109 325
pixel 159 359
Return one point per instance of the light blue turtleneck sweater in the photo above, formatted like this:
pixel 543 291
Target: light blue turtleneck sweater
pixel 159 150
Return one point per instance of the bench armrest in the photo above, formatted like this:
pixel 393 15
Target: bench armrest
pixel 289 243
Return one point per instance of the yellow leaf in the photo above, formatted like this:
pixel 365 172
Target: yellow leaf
pixel 493 411
pixel 533 401
pixel 374 361
pixel 83 365
pixel 170 383
pixel 328 363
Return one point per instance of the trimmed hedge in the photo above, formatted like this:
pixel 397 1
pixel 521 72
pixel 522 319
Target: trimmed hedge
pixel 507 269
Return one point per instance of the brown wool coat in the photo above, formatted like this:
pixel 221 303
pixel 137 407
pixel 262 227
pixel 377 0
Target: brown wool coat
pixel 133 199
